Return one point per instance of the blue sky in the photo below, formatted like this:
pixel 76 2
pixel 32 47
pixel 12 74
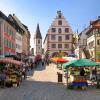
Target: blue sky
pixel 30 12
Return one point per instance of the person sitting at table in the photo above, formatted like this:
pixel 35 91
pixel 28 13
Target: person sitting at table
pixel 82 72
pixel 93 75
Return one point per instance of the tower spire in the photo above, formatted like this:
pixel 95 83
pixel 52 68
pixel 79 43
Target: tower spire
pixel 38 33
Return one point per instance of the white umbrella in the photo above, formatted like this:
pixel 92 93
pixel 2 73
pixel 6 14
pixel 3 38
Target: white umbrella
pixel 70 58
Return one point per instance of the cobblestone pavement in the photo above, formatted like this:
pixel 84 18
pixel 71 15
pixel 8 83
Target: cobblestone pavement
pixel 42 85
pixel 45 74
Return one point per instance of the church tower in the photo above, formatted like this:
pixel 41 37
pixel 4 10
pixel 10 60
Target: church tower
pixel 37 42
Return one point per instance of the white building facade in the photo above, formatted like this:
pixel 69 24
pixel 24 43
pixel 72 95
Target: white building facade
pixel 82 50
pixel 93 40
pixel 59 37
pixel 18 43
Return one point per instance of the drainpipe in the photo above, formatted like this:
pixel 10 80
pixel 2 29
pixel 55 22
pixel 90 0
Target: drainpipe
pixel 95 47
pixel 80 52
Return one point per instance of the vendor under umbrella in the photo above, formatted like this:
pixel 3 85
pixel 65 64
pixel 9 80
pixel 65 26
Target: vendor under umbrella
pixel 82 72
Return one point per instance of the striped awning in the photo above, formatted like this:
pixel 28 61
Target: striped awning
pixel 8 60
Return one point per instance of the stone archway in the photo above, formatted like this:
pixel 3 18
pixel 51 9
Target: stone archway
pixel 55 54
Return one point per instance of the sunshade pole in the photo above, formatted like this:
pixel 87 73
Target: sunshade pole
pixel 62 70
pixel 67 78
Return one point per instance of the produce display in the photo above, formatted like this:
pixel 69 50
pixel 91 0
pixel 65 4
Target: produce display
pixel 78 82
pixel 13 77
pixel 12 74
pixel 79 79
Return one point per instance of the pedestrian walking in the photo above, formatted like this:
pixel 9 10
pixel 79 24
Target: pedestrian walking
pixel 2 79
pixel 24 73
pixel 43 62
pixel 31 66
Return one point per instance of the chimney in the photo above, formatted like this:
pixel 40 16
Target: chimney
pixel 91 22
pixel 59 12
pixel 98 17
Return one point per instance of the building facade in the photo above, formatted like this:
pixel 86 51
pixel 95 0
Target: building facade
pixel 82 50
pixel 26 42
pixel 7 36
pixel 18 37
pixel 25 37
pixel 59 37
pixel 18 44
pixel 93 40
pixel 38 42
pixel 32 52
pixel 14 37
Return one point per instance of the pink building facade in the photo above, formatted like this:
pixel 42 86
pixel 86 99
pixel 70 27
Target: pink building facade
pixel 7 36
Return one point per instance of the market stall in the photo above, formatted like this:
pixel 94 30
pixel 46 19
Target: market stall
pixel 70 58
pixel 11 61
pixel 12 70
pixel 13 76
pixel 60 61
pixel 79 81
pixel 76 80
